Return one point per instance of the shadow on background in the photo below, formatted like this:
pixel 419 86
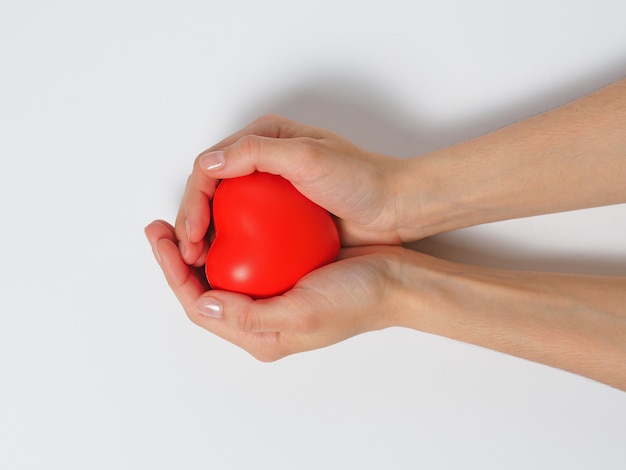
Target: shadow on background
pixel 498 252
pixel 369 117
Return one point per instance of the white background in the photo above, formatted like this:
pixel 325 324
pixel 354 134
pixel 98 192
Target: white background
pixel 104 106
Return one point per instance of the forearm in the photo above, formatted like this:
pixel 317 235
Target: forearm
pixel 571 158
pixel 576 323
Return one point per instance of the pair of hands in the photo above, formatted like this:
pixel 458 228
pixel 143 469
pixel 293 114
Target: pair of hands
pixel 348 297
pixel 569 158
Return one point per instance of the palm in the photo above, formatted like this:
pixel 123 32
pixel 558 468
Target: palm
pixel 344 298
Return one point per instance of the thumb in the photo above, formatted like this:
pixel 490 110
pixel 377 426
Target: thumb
pixel 245 314
pixel 290 158
pixel 244 322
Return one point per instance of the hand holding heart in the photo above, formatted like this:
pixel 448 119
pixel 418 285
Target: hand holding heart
pixel 353 295
pixel 356 186
pixel 329 304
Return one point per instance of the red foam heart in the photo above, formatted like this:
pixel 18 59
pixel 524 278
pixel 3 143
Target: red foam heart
pixel 267 236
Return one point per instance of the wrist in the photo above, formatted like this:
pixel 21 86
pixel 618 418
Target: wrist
pixel 428 201
pixel 488 307
pixel 429 288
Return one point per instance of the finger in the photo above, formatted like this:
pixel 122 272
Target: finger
pixel 241 312
pixel 242 321
pixel 265 346
pixel 287 157
pixel 297 159
pixel 276 314
pixel 271 125
pixel 193 220
pixel 157 230
pixel 180 277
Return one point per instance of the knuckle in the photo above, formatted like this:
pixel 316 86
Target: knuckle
pixel 246 320
pixel 249 144
pixel 308 146
pixel 271 118
pixel 279 126
pixel 308 151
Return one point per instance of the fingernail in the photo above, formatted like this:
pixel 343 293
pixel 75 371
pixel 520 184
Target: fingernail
pixel 212 160
pixel 209 307
pixel 188 229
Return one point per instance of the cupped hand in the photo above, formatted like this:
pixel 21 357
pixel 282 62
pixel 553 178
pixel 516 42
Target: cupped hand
pixel 350 296
pixel 358 187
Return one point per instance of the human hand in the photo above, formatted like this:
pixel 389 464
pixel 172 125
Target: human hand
pixel 358 187
pixel 353 295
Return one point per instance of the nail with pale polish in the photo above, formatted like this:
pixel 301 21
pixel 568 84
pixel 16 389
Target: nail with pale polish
pixel 188 229
pixel 209 307
pixel 212 160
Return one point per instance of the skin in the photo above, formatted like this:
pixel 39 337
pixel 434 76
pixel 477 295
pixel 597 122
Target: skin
pixel 569 158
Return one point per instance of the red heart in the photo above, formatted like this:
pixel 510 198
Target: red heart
pixel 267 236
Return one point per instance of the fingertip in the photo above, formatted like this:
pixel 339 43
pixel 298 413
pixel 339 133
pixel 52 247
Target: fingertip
pixel 155 251
pixel 193 253
pixel 212 160
pixel 190 236
pixel 155 232
pixel 196 231
pixel 171 262
pixel 183 250
pixel 148 229
pixel 210 306
pixel 235 309
pixel 185 244
pixel 194 214
pixel 201 258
